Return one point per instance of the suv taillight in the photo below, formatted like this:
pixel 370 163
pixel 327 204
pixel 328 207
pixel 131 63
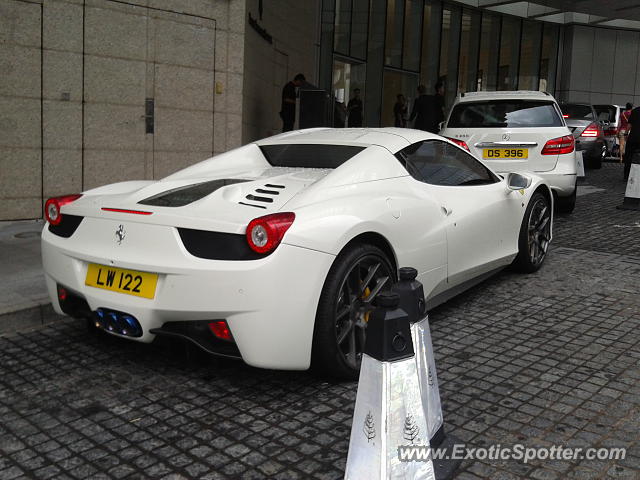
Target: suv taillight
pixel 460 143
pixel 593 130
pixel 559 146
pixel 264 234
pixel 52 207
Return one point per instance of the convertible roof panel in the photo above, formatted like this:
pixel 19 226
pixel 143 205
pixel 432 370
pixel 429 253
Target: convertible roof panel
pixel 393 139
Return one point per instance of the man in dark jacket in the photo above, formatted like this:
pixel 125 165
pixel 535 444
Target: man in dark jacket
pixel 288 109
pixel 428 110
pixel 632 148
pixel 354 109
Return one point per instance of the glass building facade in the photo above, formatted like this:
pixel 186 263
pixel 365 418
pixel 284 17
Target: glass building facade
pixel 389 47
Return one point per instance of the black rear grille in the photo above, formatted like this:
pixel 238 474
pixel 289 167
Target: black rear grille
pixel 198 332
pixel 67 226
pixel 268 192
pixel 251 205
pixel 257 198
pixel 262 198
pixel 217 245
pixel 73 304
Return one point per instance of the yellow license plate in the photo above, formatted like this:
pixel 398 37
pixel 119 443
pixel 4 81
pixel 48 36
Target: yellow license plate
pixel 493 153
pixel 131 282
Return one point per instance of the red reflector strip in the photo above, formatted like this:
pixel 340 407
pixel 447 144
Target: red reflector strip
pixel 124 210
pixel 221 330
pixel 62 293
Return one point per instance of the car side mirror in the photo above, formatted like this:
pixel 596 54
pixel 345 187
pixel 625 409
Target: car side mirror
pixel 441 125
pixel 516 181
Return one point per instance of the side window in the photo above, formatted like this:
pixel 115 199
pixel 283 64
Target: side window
pixel 439 163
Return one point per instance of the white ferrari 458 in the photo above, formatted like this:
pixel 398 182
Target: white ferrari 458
pixel 274 252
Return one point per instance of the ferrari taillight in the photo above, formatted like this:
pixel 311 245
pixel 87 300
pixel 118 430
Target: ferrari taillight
pixel 264 234
pixel 460 143
pixel 53 205
pixel 593 130
pixel 559 146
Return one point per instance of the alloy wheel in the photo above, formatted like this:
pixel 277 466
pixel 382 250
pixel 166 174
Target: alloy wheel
pixel 359 288
pixel 539 231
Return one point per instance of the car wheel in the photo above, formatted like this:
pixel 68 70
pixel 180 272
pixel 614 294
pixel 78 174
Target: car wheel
pixel 596 162
pixel 356 277
pixel 535 235
pixel 615 151
pixel 567 204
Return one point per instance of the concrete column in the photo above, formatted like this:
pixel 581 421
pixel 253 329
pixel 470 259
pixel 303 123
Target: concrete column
pixel 21 107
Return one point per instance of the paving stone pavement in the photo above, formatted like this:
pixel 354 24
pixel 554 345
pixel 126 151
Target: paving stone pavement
pixel 596 224
pixel 542 359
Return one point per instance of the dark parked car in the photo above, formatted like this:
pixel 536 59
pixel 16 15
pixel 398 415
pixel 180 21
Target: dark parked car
pixel 583 122
pixel 610 115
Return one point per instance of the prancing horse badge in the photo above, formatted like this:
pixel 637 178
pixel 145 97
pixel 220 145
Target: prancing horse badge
pixel 120 234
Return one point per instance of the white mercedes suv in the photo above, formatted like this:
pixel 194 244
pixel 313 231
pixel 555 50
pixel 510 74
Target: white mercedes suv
pixel 517 131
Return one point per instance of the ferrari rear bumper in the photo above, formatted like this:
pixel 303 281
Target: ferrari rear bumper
pixel 269 304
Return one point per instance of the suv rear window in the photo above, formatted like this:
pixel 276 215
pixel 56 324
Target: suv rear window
pixel 606 113
pixel 309 155
pixel 577 112
pixel 504 113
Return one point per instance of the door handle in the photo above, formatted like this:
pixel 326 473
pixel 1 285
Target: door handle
pixel 446 211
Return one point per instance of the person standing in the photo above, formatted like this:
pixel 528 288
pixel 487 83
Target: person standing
pixel 633 141
pixel 623 129
pixel 354 109
pixel 428 110
pixel 288 108
pixel 439 110
pixel 400 111
pixel 420 109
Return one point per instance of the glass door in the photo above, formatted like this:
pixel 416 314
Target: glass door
pixel 348 83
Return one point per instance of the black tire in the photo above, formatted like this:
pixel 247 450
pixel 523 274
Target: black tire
pixel 615 151
pixel 567 204
pixel 345 291
pixel 535 235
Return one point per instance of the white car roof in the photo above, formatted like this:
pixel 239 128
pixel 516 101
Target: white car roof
pixel 393 139
pixel 505 95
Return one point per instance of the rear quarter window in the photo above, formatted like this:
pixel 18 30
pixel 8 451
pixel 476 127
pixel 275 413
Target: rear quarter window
pixel 577 112
pixel 606 113
pixel 504 114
